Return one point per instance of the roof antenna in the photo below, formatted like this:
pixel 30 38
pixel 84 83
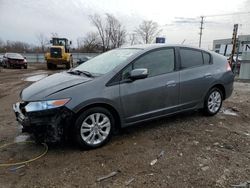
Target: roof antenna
pixel 183 41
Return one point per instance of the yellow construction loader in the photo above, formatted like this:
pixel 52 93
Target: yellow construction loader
pixel 59 54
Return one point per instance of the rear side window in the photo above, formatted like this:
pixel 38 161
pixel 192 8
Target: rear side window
pixel 157 62
pixel 206 58
pixel 190 58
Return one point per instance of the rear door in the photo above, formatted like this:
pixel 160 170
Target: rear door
pixel 195 76
pixel 155 95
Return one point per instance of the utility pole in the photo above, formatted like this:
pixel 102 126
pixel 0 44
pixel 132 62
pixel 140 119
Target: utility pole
pixel 201 28
pixel 234 42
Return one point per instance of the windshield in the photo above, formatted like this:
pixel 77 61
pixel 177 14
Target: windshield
pixel 106 62
pixel 14 55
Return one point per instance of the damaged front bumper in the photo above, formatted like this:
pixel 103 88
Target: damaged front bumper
pixel 46 125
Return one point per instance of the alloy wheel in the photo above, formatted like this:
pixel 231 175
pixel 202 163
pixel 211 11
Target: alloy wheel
pixel 214 101
pixel 95 128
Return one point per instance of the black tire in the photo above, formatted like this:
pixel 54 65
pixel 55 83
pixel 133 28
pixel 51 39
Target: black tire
pixel 8 65
pixel 68 65
pixel 51 66
pixel 25 66
pixel 84 117
pixel 207 108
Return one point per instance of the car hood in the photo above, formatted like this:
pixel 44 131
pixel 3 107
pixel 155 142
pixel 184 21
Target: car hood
pixel 50 85
pixel 15 58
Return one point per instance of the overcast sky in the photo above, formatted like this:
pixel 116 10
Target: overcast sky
pixel 23 20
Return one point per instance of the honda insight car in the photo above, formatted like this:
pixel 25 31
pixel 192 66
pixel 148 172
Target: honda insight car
pixel 123 87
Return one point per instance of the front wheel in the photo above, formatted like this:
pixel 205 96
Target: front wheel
pixel 68 65
pixel 213 102
pixel 94 128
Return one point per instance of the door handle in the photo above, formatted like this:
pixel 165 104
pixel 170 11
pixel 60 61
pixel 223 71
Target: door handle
pixel 171 83
pixel 208 75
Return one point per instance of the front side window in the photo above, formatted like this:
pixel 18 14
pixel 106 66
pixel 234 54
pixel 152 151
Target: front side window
pixel 157 62
pixel 190 58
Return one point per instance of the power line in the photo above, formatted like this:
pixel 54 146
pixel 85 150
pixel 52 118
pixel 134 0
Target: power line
pixel 227 14
pixel 216 15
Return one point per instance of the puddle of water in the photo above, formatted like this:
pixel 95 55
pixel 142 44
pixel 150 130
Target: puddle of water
pixel 35 78
pixel 229 112
pixel 35 73
pixel 22 138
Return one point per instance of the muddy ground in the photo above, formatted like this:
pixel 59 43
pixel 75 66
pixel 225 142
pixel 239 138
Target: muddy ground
pixel 196 151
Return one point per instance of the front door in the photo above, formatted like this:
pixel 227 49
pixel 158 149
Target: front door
pixel 155 95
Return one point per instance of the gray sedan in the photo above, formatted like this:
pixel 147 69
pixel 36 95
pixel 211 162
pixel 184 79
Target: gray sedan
pixel 123 87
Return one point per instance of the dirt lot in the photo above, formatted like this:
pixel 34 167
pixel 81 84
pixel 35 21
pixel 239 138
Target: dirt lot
pixel 196 151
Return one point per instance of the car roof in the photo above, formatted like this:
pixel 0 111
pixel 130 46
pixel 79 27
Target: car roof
pixel 155 46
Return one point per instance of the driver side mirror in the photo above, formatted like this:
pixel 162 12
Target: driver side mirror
pixel 137 74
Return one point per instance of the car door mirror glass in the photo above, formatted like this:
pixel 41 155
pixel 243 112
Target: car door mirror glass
pixel 138 74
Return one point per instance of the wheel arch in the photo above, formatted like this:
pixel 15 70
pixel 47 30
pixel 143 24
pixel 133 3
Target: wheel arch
pixel 221 88
pixel 107 106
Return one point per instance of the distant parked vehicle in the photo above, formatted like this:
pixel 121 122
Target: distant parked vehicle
pixel 14 60
pixel 1 60
pixel 235 64
pixel 59 54
pixel 82 60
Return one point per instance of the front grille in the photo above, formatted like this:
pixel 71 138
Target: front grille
pixel 56 52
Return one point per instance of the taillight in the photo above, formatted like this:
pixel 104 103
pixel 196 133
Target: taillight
pixel 229 67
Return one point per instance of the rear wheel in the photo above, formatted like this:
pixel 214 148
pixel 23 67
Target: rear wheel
pixel 49 66
pixel 213 102
pixel 94 128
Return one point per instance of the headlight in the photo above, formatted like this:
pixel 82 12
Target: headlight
pixel 45 105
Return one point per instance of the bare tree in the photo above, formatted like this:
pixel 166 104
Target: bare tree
pixel 17 46
pixel 111 32
pixel 43 41
pixel 79 42
pixel 133 38
pixel 147 31
pixel 98 23
pixel 117 32
pixel 54 34
pixel 91 42
pixel 1 43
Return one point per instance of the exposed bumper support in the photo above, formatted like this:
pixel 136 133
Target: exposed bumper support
pixel 47 125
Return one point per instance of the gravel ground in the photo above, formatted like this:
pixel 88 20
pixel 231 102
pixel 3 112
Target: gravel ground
pixel 191 150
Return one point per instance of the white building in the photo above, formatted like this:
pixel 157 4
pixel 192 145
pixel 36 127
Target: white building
pixel 224 46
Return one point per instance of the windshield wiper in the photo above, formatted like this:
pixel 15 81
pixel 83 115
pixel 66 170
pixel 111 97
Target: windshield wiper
pixel 79 72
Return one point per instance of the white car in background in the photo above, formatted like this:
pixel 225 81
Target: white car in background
pixel 1 60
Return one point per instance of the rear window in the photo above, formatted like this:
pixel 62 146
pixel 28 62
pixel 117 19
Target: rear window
pixel 190 58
